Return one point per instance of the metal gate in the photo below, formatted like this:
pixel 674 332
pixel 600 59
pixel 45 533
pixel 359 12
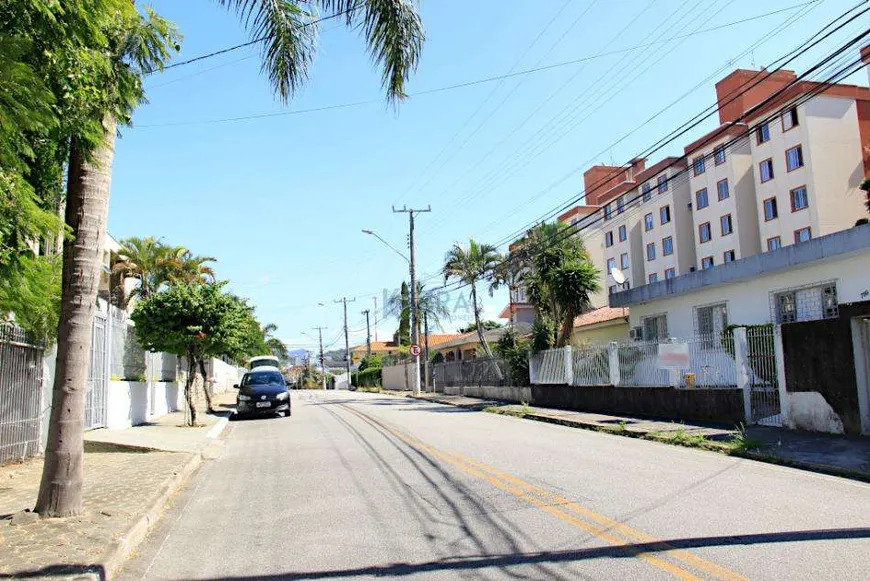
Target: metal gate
pixel 98 385
pixel 20 394
pixel 764 376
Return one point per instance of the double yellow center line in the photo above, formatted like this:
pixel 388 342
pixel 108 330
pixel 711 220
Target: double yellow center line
pixel 676 562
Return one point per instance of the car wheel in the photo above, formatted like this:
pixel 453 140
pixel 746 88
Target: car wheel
pixel 288 413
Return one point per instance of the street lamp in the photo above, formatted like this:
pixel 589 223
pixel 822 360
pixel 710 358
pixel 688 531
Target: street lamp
pixel 387 244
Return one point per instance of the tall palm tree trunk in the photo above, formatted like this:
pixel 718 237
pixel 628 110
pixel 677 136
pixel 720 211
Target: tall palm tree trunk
pixel 87 205
pixel 480 334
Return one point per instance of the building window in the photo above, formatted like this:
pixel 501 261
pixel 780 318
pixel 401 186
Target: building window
pixel 654 277
pixel 651 251
pixel 622 233
pixel 701 200
pixel 722 189
pixel 707 262
pixel 612 289
pixel 774 243
pixel 802 235
pixel 667 246
pixel 608 212
pixel 762 133
pixel 620 204
pixel 663 184
pixel 655 328
pixel 794 158
pixel 799 200
pixel 623 260
pixel 704 232
pixel 646 189
pixel 719 155
pixel 810 303
pixel 729 256
pixel 670 273
pixel 770 211
pixel 608 239
pixel 765 169
pixel 789 119
pixel 648 222
pixel 725 223
pixel 611 264
pixel 710 322
pixel 665 214
pixel 698 165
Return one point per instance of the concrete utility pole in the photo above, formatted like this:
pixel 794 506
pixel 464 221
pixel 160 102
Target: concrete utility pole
pixel 426 348
pixel 345 300
pixel 322 366
pixel 368 334
pixel 414 338
pixel 376 317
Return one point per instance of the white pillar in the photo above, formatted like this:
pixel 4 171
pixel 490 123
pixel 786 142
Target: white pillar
pixel 568 355
pixel 779 354
pixel 613 362
pixel 744 382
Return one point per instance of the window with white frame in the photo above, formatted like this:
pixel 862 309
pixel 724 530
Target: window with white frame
pixel 762 133
pixel 789 118
pixel 667 246
pixel 722 189
pixel 623 260
pixel 646 189
pixel 719 155
pixel 808 303
pixel 651 251
pixel 648 222
pixel 662 184
pixel 698 165
pixel 611 264
pixel 608 239
pixel 623 234
pixel 701 199
pixel 794 158
pixel 765 169
pixel 655 327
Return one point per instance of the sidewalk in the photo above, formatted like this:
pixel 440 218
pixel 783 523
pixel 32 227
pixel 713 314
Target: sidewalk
pixel 130 476
pixel 829 454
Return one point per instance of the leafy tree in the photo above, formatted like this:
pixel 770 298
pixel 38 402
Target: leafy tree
pixel 515 352
pixel 559 277
pixel 403 334
pixel 472 265
pixel 144 259
pixel 429 304
pixel 274 345
pixel 183 266
pixel 132 45
pixel 487 326
pixel 370 362
pixel 33 295
pixel 195 321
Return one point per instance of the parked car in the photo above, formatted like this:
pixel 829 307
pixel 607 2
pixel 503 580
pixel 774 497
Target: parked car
pixel 263 361
pixel 263 391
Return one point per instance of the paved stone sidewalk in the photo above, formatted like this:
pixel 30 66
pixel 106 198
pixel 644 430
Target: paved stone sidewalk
pixel 124 487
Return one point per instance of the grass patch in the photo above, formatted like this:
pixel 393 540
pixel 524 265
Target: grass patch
pixel 370 389
pixel 520 411
pixel 740 444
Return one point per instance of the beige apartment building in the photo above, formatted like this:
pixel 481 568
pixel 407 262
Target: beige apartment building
pixel 769 176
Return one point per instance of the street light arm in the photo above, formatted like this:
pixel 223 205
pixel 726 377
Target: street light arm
pixel 387 244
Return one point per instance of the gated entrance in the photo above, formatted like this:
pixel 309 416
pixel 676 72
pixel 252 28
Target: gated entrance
pixel 98 384
pixel 764 376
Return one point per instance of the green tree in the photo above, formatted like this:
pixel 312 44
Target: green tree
pixel 559 277
pixel 472 265
pixel 402 309
pixel 183 266
pixel 133 45
pixel 144 259
pixel 275 346
pixel 195 321
pixel 429 304
pixel 487 326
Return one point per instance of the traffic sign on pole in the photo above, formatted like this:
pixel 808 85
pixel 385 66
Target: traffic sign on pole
pixel 416 350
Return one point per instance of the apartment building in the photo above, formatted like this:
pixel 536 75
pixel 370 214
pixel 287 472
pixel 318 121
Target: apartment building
pixel 665 242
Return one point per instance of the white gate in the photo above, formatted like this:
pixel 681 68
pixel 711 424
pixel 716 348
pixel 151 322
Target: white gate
pixel 98 385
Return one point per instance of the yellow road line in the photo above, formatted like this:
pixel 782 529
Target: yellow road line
pixel 521 489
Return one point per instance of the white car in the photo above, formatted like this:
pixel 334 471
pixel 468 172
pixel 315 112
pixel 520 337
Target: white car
pixel 263 361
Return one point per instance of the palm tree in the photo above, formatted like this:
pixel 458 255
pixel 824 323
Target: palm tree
pixel 183 266
pixel 471 265
pixel 429 304
pixel 143 259
pixel 393 33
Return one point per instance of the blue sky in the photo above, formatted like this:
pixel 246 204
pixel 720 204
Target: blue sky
pixel 281 201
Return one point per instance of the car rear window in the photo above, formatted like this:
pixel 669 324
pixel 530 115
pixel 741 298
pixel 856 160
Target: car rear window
pixel 263 378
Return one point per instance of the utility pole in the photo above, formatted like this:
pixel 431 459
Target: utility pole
pixel 376 317
pixel 322 366
pixel 368 334
pixel 426 348
pixel 414 338
pixel 345 300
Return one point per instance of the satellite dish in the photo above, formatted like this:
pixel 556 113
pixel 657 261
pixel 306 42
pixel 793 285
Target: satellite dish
pixel 618 276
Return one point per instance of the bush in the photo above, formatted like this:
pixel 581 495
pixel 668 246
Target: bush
pixel 516 355
pixel 370 362
pixel 543 331
pixel 759 346
pixel 367 378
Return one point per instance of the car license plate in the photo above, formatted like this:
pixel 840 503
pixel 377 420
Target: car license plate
pixel 264 404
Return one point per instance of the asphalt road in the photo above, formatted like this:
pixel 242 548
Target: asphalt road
pixel 363 486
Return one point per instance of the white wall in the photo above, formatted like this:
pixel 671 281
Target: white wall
pixel 400 377
pixel 131 403
pixel 749 302
pixel 224 375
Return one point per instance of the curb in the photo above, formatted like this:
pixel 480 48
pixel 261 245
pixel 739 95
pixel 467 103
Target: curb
pixel 117 554
pixel 751 455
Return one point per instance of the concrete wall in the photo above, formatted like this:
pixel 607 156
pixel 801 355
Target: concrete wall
pixel 224 375
pixel 716 405
pixel 514 394
pixel 602 334
pixel 131 403
pixel 399 377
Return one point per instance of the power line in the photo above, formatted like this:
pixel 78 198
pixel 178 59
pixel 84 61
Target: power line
pixel 464 84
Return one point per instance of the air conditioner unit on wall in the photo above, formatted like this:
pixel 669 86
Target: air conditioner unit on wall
pixel 636 333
